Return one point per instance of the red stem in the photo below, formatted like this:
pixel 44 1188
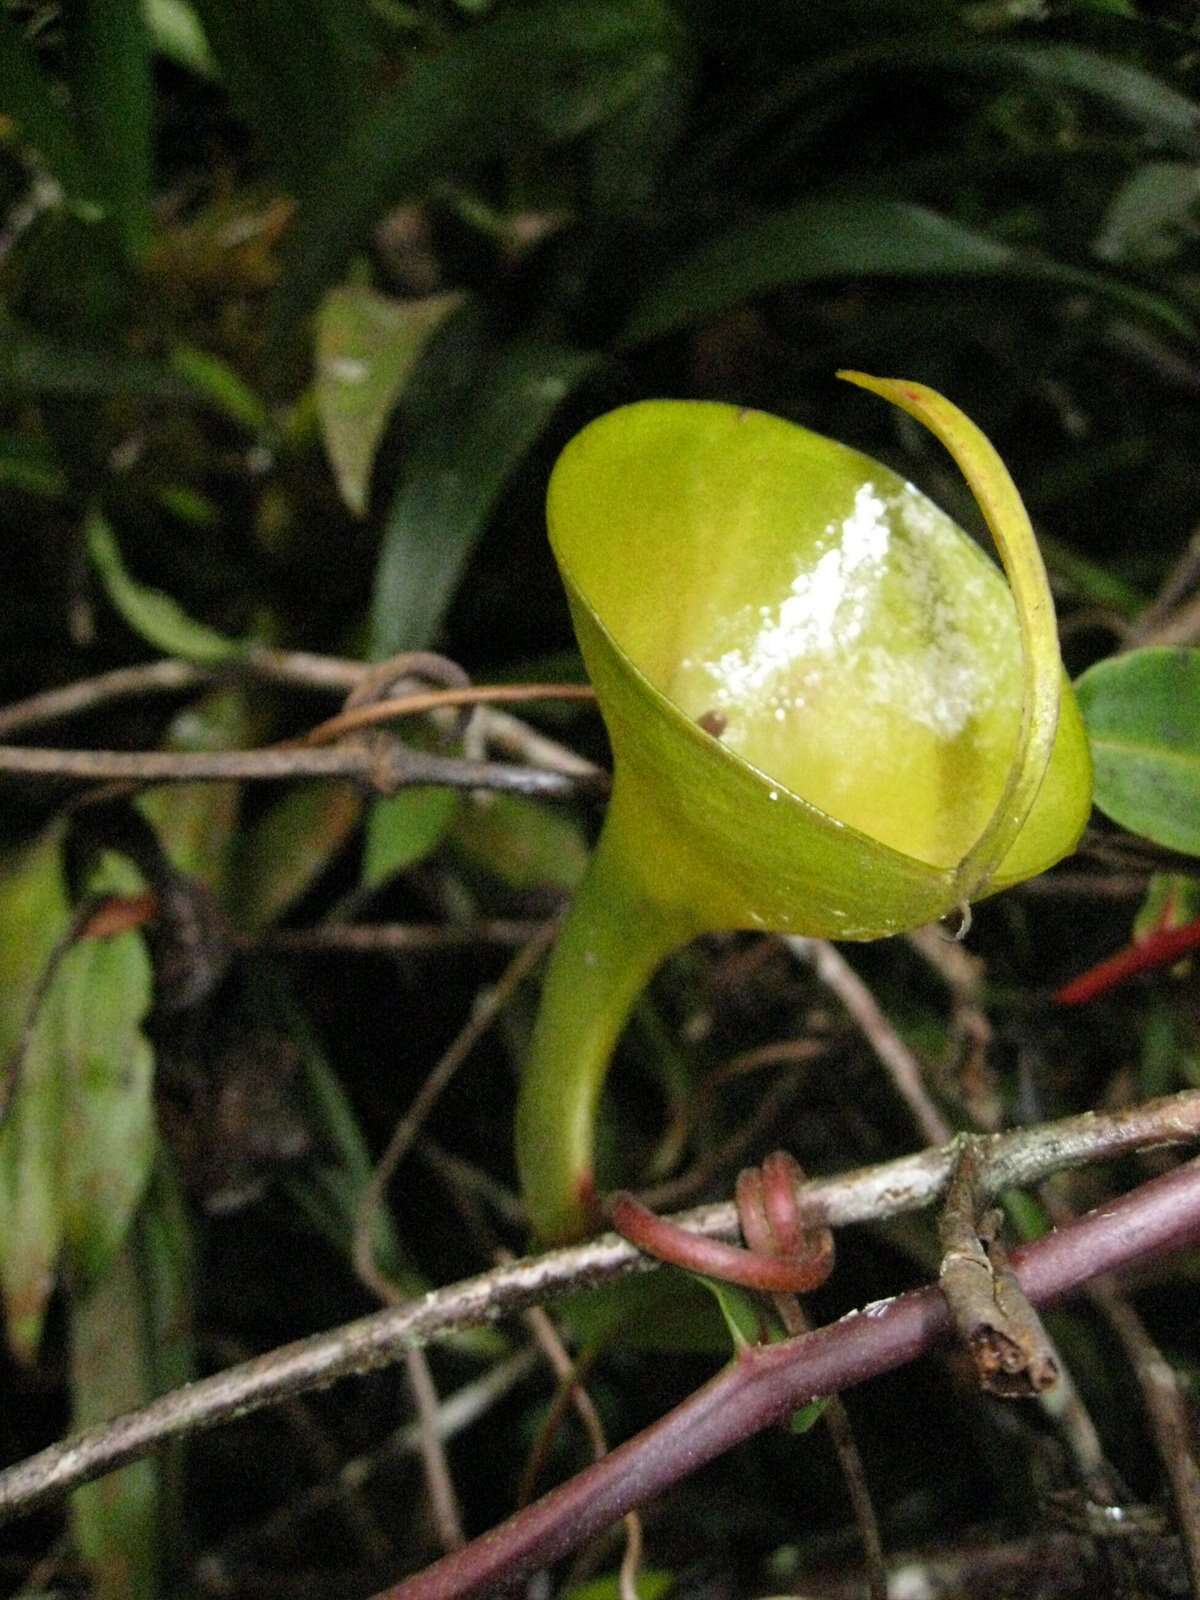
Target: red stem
pixel 1159 950
pixel 767 1382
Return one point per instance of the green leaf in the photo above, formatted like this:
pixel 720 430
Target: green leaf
pixel 741 1311
pixel 196 823
pixel 467 446
pixel 176 33
pixel 807 1416
pixel 115 1521
pixel 149 612
pixel 651 1584
pixel 1141 98
pixel 131 1341
pixel 1142 713
pixel 216 380
pixel 31 115
pixel 857 238
pixel 90 1034
pixel 367 344
pixel 524 844
pixel 109 52
pixel 403 829
pixel 288 848
pixel 534 75
pixel 33 914
pixel 298 72
pixel 75 1151
pixel 656 1311
pixel 32 362
pixel 1153 214
pixel 31 467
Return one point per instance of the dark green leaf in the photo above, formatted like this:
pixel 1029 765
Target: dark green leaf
pixel 32 116
pixel 1152 215
pixel 524 844
pixel 533 75
pixel 459 462
pixel 1123 87
pixel 196 823
pixel 856 238
pixel 37 363
pixel 114 108
pixel 115 1522
pixel 288 848
pixel 216 380
pixel 30 466
pixel 328 1193
pixel 298 71
pixel 154 615
pixel 131 1341
pixel 1142 712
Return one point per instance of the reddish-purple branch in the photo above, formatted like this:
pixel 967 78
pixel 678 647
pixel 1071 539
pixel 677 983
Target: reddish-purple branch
pixel 765 1383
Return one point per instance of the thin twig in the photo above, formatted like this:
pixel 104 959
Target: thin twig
pixel 386 772
pixel 840 978
pixel 1166 1413
pixel 970 1028
pixel 565 1370
pixel 487 1009
pixel 380 711
pixel 767 1205
pixel 1165 1407
pixel 1010 1160
pixel 1166 620
pixel 456 1413
pixel 443 1498
pixel 293 668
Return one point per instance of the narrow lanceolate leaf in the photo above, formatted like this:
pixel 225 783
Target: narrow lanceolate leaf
pixel 1142 713
pixel 35 362
pixel 857 238
pixel 1041 663
pixel 33 914
pixel 159 619
pixel 113 92
pixel 541 73
pixel 131 1341
pixel 367 344
pixel 298 71
pixel 31 116
pixel 459 463
pixel 76 1147
pixel 288 848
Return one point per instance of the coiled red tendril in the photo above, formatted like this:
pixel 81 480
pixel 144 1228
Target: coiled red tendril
pixel 783 1257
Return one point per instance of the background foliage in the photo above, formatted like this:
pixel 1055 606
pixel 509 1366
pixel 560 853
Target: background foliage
pixel 299 302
